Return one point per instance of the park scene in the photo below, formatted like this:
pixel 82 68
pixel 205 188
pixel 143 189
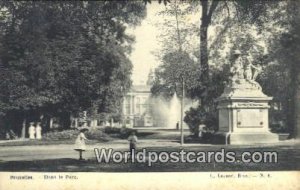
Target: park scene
pixel 158 76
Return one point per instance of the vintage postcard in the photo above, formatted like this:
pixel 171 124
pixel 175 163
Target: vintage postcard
pixel 150 94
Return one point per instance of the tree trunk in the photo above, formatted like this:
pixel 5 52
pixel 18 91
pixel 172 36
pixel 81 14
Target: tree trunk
pixel 207 12
pixel 297 72
pixel 51 123
pixel 296 132
pixel 290 108
pixel 76 122
pixel 205 20
pixel 204 54
pixel 293 117
pixel 23 132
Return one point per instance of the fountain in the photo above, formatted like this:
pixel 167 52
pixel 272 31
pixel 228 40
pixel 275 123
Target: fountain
pixel 166 113
pixel 174 112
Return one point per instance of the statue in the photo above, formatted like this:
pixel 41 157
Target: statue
pixel 237 68
pixel 243 72
pixel 243 107
pixel 251 71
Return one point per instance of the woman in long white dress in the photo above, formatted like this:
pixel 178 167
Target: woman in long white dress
pixel 31 131
pixel 38 131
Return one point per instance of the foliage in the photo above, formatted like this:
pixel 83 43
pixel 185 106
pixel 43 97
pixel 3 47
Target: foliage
pixel 208 114
pixel 248 26
pixel 65 57
pixel 97 134
pixel 71 134
pixel 177 66
pixel 119 132
pixel 61 135
pixel 285 51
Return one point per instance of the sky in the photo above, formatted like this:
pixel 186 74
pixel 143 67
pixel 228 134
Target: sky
pixel 146 36
pixel 146 42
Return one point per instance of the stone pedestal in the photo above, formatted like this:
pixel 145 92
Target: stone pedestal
pixel 243 114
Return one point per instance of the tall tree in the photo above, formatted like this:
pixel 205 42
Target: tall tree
pixel 213 11
pixel 207 11
pixel 286 52
pixel 247 25
pixel 63 57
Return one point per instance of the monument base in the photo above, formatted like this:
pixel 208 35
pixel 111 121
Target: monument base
pixel 244 116
pixel 248 138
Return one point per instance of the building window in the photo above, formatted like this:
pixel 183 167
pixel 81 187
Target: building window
pixel 138 109
pixel 138 103
pixel 127 99
pixel 127 108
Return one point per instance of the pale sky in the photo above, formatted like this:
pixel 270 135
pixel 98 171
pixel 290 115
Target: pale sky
pixel 146 41
pixel 146 36
pixel 142 58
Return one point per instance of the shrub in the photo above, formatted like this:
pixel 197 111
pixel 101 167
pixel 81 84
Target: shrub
pixel 125 132
pixel 118 132
pixel 61 135
pixel 92 134
pixel 112 130
pixel 196 116
pixel 278 128
pixel 97 134
pixel 2 133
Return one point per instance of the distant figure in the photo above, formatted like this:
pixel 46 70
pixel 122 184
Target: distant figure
pixel 7 136
pixel 112 122
pixel 177 125
pixel 12 134
pixel 132 142
pixel 80 142
pixel 38 130
pixel 201 130
pixel 31 131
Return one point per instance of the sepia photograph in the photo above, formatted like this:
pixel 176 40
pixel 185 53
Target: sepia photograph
pixel 170 89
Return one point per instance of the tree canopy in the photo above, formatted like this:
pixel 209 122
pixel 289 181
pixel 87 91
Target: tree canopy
pixel 253 27
pixel 65 56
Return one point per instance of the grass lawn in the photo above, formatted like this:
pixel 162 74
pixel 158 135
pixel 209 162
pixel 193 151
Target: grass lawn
pixel 43 142
pixel 288 160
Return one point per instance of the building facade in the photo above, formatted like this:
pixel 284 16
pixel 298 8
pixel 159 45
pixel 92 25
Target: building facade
pixel 137 107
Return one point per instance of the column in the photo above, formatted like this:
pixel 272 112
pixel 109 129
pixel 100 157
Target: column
pixel 130 101
pixel 133 106
pixel 124 106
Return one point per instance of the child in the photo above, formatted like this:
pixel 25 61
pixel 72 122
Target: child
pixel 80 142
pixel 132 142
